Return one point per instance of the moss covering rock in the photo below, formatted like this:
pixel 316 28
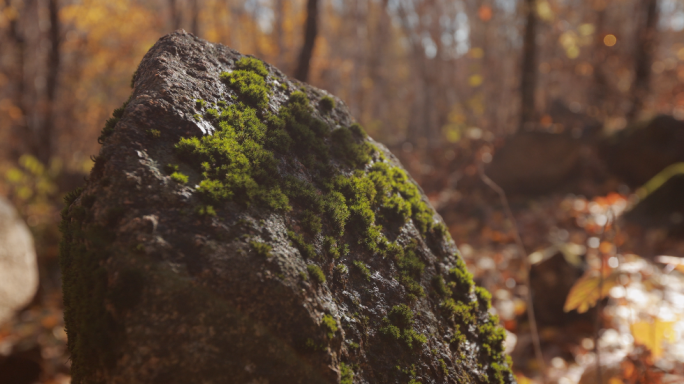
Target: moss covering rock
pixel 220 249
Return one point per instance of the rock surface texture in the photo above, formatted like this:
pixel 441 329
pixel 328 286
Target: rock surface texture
pixel 18 266
pixel 238 227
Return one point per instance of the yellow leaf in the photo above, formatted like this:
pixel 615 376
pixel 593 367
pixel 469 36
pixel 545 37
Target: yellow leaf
pixel 585 293
pixel 568 39
pixel 544 10
pixel 572 52
pixel 652 334
pixel 476 53
pixel 475 80
pixel 452 132
pixel 24 193
pixel 522 379
pixel 14 175
pixel 586 29
pixel 520 306
pixel 32 164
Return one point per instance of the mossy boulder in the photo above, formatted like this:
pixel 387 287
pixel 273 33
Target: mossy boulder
pixel 239 227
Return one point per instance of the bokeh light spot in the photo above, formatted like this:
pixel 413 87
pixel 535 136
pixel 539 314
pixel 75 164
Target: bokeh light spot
pixel 610 40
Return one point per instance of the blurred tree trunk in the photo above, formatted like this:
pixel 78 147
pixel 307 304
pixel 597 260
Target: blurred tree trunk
pixel 310 32
pixel 380 40
pixel 434 103
pixel 528 78
pixel 279 31
pixel 598 92
pixel 233 34
pixel 43 150
pixel 358 18
pixel 643 56
pixel 415 132
pixel 16 35
pixel 175 15
pixel 194 24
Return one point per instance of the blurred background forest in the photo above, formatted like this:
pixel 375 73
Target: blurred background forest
pixel 574 107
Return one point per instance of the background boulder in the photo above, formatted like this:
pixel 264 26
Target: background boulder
pixel 18 268
pixel 662 207
pixel 535 162
pixel 639 152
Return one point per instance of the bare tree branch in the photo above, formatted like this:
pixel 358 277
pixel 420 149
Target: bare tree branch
pixel 526 262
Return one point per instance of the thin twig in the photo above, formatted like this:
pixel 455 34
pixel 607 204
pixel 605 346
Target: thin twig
pixel 597 352
pixel 526 262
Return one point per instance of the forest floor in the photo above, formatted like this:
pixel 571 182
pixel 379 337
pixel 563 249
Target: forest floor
pixel 570 241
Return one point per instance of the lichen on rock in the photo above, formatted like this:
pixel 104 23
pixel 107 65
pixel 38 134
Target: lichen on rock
pixel 260 235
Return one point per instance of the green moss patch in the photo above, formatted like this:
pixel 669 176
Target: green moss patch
pixel 484 298
pixel 491 337
pixel 311 222
pixel 307 250
pixel 346 148
pixel 334 247
pixel 327 104
pixel 90 326
pixel 363 269
pixel 358 130
pixel 460 280
pixel 233 162
pixel 153 133
pixel 249 85
pixel 410 269
pixel 179 178
pixel 205 210
pixel 329 325
pixel 346 374
pixel 252 64
pixel 459 311
pixel 463 312
pixel 261 249
pixel 316 273
pixel 440 286
pixel 398 326
pixel 111 123
pixel 455 290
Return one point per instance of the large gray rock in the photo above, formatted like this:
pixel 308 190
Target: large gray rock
pixel 239 228
pixel 18 268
